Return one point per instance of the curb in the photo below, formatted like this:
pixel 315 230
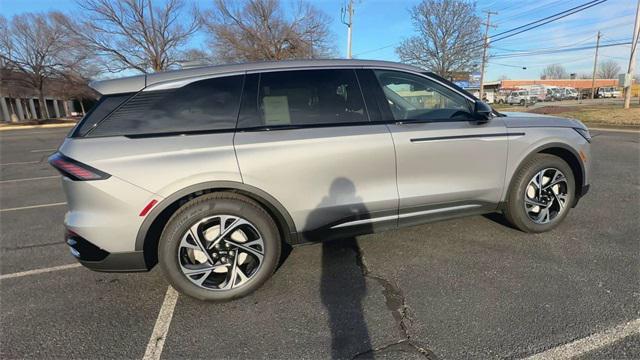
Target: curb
pixel 43 126
pixel 633 131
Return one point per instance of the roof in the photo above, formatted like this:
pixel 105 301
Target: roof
pixel 574 83
pixel 139 82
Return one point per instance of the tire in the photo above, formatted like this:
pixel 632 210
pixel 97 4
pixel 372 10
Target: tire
pixel 516 205
pixel 522 102
pixel 176 248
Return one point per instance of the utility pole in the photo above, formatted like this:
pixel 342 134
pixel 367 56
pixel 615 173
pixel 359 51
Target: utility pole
pixel 485 48
pixel 347 19
pixel 595 64
pixel 632 60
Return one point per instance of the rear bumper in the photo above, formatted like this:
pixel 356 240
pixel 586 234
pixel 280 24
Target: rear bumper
pixel 118 262
pixel 95 258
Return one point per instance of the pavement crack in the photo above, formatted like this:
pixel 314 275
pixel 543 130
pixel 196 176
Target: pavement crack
pixel 396 303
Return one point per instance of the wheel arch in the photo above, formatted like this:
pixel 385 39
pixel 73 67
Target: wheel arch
pixel 150 231
pixel 566 153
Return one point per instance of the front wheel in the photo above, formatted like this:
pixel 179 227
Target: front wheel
pixel 219 247
pixel 541 194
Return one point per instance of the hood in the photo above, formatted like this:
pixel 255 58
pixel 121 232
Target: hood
pixel 518 119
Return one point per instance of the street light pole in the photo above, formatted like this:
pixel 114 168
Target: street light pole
pixel 632 59
pixel 484 50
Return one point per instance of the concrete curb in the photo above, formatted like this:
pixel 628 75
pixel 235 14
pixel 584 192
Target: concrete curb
pixel 43 126
pixel 615 130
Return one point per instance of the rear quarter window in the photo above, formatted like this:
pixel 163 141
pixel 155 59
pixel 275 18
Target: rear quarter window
pixel 206 105
pixel 102 109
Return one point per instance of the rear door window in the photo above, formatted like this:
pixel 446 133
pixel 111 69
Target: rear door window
pixel 305 98
pixel 201 106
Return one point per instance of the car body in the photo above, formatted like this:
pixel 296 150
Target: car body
pixel 325 149
pixel 521 97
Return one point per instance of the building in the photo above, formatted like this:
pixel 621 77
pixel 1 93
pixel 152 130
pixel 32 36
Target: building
pixel 571 83
pixel 20 102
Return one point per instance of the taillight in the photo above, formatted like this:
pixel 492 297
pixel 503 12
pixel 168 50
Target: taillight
pixel 75 170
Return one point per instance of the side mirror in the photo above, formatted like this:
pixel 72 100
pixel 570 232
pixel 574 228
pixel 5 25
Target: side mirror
pixel 482 111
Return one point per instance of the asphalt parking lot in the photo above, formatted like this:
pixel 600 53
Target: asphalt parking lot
pixel 466 288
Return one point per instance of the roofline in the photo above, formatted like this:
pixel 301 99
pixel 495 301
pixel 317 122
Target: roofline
pixel 139 82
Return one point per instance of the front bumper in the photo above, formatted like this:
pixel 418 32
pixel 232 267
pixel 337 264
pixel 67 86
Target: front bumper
pixel 97 259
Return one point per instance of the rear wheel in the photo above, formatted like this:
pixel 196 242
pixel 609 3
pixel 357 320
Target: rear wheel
pixel 219 247
pixel 541 194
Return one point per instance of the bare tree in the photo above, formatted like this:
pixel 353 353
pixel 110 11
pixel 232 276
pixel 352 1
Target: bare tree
pixel 38 47
pixel 608 69
pixel 449 36
pixel 253 30
pixel 503 77
pixel 554 71
pixel 133 34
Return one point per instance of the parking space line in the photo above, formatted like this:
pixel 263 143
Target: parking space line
pixel 159 334
pixel 33 207
pixel 20 163
pixel 30 179
pixel 590 343
pixel 39 271
pixel 42 150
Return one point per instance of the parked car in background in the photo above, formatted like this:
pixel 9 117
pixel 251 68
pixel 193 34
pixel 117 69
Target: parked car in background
pixel 500 96
pixel 568 93
pixel 608 92
pixel 521 97
pixel 552 94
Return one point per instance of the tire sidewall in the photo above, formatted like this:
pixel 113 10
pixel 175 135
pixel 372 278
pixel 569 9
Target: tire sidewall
pixel 193 212
pixel 517 212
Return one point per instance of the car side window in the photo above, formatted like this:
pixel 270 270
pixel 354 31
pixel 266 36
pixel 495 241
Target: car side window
pixel 306 97
pixel 413 97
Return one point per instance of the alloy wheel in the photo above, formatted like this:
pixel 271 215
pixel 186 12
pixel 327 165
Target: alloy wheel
pixel 546 195
pixel 221 252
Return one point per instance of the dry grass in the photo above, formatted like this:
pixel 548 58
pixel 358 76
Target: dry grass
pixel 600 115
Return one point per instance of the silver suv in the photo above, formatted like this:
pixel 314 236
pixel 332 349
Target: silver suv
pixel 210 172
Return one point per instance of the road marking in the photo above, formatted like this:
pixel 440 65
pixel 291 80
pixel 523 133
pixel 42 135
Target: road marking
pixel 30 179
pixel 42 150
pixel 590 343
pixel 39 271
pixel 20 163
pixel 159 335
pixel 33 207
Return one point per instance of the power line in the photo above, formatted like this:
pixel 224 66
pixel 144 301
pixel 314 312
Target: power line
pixel 547 52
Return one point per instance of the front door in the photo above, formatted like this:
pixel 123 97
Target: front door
pixel 447 163
pixel 305 138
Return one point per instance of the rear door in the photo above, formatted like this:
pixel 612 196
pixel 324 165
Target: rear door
pixel 447 163
pixel 305 138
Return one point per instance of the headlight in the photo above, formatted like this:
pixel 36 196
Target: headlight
pixel 584 132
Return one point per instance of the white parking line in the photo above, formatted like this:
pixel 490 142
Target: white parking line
pixel 30 179
pixel 42 150
pixel 20 163
pixel 33 207
pixel 39 271
pixel 590 343
pixel 156 342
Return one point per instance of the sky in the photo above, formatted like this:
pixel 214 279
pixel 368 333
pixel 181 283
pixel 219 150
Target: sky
pixel 380 25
